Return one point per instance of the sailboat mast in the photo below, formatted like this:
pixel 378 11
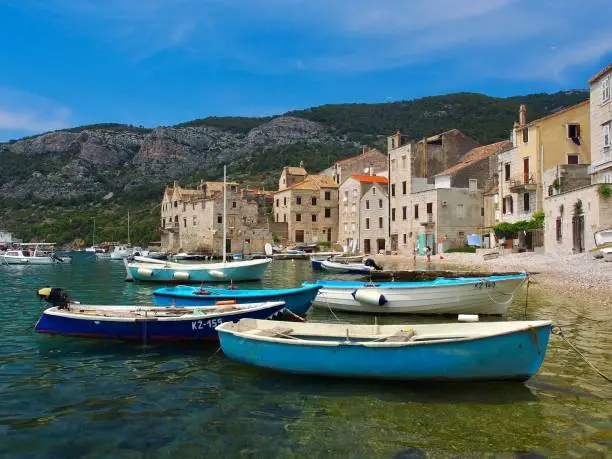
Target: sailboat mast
pixel 128 227
pixel 93 237
pixel 224 213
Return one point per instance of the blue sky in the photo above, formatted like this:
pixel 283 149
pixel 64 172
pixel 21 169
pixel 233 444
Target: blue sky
pixel 160 62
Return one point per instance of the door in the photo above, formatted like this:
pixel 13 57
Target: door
pixel 328 234
pixel 366 246
pixel 380 243
pixel 525 170
pixel 529 240
pixel 228 245
pixel 578 232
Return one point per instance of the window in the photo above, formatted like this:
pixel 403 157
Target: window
pixel 175 203
pixel 404 187
pixel 605 89
pixel 298 217
pixel 284 201
pixel 393 189
pixel 572 159
pixel 507 171
pixel 373 190
pixel 298 200
pixel 416 211
pixel 233 204
pixel 393 214
pixel 284 218
pixel 404 162
pixel 525 135
pixel 393 164
pixel 405 240
pixel 380 204
pixel 573 131
pixel 277 220
pixel 404 214
pixel 460 211
pixel 430 207
pixel 526 197
pixel 184 222
pixel 314 217
pixel 482 211
pixel 380 222
pixel 313 201
pixel 605 130
pixel 367 223
pixel 346 194
pixel 558 225
pixel 328 195
pixel 507 205
pixel 219 218
pixel 473 184
pixel 328 212
pixel 299 235
pixel 278 203
pixel 194 221
pixel 354 193
pixel 367 204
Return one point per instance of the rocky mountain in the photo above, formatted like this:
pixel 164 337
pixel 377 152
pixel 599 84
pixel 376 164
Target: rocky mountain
pixel 90 165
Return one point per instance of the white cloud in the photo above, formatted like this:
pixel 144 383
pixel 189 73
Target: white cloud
pixel 22 112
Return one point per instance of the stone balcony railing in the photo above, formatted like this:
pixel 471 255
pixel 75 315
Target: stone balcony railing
pixel 520 183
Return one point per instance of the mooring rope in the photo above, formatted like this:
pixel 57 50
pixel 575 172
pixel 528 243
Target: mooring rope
pixel 559 332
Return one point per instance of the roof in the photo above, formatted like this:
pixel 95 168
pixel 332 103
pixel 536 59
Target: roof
pixel 476 155
pixel 295 170
pixel 602 73
pixel 558 112
pixel 355 158
pixel 370 178
pixel 312 182
pixel 435 137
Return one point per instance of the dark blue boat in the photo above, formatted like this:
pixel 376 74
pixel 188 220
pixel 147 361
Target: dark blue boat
pixel 148 323
pixel 297 300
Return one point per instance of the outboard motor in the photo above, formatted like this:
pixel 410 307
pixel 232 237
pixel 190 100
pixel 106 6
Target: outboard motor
pixel 371 262
pixel 56 258
pixel 58 297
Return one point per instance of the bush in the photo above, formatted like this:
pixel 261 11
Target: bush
pixel 466 249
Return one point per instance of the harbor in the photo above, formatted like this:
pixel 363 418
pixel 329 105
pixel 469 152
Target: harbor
pixel 163 398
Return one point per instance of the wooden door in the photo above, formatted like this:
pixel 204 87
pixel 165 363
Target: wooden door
pixel 525 170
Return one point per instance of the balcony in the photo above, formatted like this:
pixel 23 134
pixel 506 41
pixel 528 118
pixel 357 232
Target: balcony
pixel 170 227
pixel 520 184
pixel 428 221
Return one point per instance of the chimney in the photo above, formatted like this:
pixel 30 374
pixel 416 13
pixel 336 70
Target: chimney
pixel 371 169
pixel 523 116
pixel 302 164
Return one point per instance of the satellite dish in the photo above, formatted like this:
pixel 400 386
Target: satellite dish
pixel 268 249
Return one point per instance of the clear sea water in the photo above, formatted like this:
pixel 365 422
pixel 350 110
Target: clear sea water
pixel 76 398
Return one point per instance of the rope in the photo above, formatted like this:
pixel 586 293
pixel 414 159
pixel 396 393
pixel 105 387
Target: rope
pixel 213 354
pixel 559 332
pixel 295 316
pixel 511 295
pixel 527 297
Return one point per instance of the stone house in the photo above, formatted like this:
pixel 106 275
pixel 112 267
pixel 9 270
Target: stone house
pixel 351 218
pixel 370 161
pixel 562 137
pixel 413 167
pixel 601 126
pixel 192 220
pixel 291 176
pixel 310 209
pixel 373 221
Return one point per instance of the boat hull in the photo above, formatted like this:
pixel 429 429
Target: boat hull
pixel 345 268
pixel 491 295
pixel 147 327
pixel 511 356
pixel 250 270
pixel 9 260
pixel 297 300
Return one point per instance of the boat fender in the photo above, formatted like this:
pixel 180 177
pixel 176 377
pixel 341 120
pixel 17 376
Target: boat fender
pixel 182 275
pixel 222 302
pixel 467 317
pixel 215 273
pixel 145 272
pixel 369 296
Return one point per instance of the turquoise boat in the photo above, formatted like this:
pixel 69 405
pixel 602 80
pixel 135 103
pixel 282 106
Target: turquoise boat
pixel 424 352
pixel 297 300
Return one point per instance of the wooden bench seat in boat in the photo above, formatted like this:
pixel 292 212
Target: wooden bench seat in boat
pixel 271 332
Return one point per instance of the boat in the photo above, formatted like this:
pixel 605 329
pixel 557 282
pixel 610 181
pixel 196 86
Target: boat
pixel 423 352
pixel 347 258
pixel 247 270
pixel 607 253
pixel 187 256
pixel 306 248
pixel 603 241
pixel 32 254
pixel 346 268
pixel 471 295
pixel 169 272
pixel 125 251
pixel 429 275
pixel 297 300
pixel 144 323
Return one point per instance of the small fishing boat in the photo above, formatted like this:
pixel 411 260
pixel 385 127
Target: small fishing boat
pixel 346 268
pixel 236 271
pixel 297 300
pixel 429 275
pixel 427 352
pixel 347 258
pixel 470 295
pixel 32 254
pixel 144 323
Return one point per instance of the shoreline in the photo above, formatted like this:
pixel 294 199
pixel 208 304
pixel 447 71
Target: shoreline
pixel 574 276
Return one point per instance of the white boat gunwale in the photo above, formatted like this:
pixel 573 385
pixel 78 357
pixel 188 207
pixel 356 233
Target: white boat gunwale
pixel 517 327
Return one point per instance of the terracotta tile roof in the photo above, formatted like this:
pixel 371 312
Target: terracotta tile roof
pixel 312 182
pixel 607 69
pixel 476 155
pixel 370 178
pixel 295 170
pixel 355 158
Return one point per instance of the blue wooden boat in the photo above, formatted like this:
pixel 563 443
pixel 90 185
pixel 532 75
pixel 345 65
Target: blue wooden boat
pixel 434 352
pixel 297 300
pixel 148 323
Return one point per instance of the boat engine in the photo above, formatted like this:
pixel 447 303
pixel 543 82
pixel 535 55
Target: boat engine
pixel 56 258
pixel 371 262
pixel 58 297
